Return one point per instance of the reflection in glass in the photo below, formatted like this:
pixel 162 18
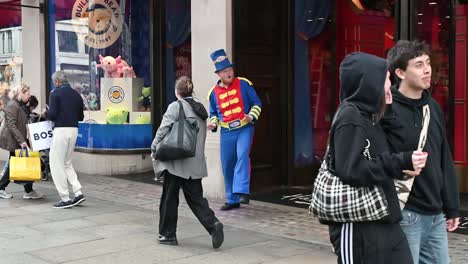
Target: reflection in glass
pixel 433 26
pixel 11 50
pixel 312 35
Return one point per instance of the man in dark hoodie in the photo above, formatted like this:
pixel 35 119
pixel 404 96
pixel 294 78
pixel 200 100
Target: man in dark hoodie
pixel 434 194
pixel 184 173
pixel 364 93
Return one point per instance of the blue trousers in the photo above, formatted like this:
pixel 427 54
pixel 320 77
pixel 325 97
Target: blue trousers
pixel 427 237
pixel 235 160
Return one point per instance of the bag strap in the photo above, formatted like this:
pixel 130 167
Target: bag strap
pixel 180 132
pixel 331 145
pixel 328 153
pixel 425 127
pixel 21 152
pixel 181 111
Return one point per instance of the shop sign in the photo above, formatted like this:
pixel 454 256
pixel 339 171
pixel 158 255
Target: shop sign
pixel 104 22
pixel 40 135
pixel 116 94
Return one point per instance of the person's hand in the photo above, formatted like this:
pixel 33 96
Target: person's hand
pixel 247 118
pixel 24 145
pixel 419 162
pixel 411 173
pixel 44 113
pixel 452 224
pixel 419 159
pixel 211 126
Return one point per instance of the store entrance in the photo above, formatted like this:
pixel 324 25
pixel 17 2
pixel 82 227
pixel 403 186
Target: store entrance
pixel 257 47
pixel 292 52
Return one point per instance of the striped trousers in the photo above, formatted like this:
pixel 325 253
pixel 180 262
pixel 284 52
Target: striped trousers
pixel 359 243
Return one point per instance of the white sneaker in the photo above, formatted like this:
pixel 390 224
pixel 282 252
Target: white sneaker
pixel 32 195
pixel 5 195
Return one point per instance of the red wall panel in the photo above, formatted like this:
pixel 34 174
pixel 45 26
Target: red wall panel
pixel 461 71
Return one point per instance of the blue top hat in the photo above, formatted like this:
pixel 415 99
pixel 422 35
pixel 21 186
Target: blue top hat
pixel 220 60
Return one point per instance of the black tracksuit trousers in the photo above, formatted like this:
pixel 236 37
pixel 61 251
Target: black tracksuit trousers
pixel 193 192
pixel 370 243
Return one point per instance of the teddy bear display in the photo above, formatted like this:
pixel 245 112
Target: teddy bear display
pixel 100 20
pixel 117 115
pixel 145 98
pixel 113 67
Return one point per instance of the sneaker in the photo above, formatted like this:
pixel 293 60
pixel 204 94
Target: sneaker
pixel 78 199
pixel 63 205
pixel 32 195
pixel 166 240
pixel 217 237
pixel 5 195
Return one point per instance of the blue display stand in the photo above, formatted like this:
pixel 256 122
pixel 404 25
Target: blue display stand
pixel 114 137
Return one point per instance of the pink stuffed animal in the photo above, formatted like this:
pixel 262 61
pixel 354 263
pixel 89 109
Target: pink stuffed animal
pixel 112 67
pixel 128 72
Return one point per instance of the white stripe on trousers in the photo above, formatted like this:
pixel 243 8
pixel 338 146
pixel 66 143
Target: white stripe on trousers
pixel 346 246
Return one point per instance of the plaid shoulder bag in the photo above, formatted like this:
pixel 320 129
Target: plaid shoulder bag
pixel 335 201
pixel 403 187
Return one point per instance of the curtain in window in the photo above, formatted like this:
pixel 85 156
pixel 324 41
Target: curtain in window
pixel 177 32
pixel 311 17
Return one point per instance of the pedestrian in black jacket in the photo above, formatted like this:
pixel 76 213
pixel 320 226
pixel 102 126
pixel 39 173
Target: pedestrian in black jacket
pixel 364 93
pixel 434 193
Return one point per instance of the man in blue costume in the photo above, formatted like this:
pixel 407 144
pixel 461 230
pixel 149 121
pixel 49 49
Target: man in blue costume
pixel 235 107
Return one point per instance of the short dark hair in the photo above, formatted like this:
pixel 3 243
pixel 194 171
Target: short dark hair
pixel 404 51
pixel 184 86
pixel 33 102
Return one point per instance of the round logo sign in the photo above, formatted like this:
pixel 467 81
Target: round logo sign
pixel 103 20
pixel 116 94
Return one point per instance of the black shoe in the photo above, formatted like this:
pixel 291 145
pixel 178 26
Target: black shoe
pixel 245 199
pixel 164 240
pixel 63 205
pixel 228 206
pixel 78 199
pixel 217 237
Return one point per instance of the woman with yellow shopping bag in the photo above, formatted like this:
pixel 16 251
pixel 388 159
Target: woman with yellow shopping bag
pixel 13 136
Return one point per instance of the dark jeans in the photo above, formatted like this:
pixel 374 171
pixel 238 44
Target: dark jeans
pixel 5 180
pixel 193 192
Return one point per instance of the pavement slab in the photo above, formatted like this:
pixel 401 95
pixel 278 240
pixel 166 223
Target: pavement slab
pixel 118 223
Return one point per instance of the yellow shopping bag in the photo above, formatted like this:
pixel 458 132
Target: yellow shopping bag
pixel 31 153
pixel 24 168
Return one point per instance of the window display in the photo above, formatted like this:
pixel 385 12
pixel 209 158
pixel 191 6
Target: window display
pixel 103 45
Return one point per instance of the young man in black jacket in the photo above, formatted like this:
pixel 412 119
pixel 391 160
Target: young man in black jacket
pixel 434 194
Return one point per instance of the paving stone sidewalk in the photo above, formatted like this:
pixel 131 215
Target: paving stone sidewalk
pixel 118 223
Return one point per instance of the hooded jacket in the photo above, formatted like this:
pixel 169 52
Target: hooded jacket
pixel 362 80
pixel 189 168
pixel 435 189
